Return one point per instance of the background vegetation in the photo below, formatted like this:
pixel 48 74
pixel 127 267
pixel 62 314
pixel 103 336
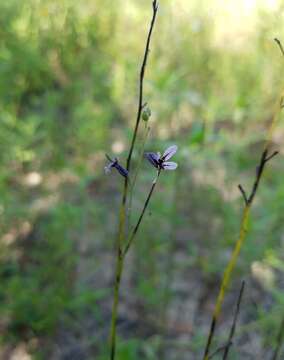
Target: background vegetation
pixel 68 94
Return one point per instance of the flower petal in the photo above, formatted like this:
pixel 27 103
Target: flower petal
pixel 153 158
pixel 169 165
pixel 121 169
pixel 107 169
pixel 169 152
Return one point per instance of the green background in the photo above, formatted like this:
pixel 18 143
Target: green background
pixel 68 94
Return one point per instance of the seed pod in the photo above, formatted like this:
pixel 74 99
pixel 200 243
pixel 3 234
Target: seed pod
pixel 146 114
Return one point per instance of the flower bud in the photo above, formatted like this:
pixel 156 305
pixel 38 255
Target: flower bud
pixel 146 113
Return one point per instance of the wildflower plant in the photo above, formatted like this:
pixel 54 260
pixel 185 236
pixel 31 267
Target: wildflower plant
pixel 161 162
pixel 126 233
pixel 248 202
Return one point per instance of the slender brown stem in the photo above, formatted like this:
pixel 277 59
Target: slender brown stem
pixel 119 269
pixel 210 338
pixel 217 351
pixel 232 262
pixel 244 195
pixel 133 180
pixel 135 230
pixel 280 45
pixel 245 217
pixel 140 97
pixel 233 328
pixel 123 210
pixel 280 337
pixel 141 83
pixel 259 170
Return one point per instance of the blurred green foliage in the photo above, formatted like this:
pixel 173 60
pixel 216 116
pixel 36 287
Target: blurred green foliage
pixel 37 286
pixel 68 86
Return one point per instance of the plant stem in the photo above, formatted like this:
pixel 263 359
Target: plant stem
pixel 133 183
pixel 141 82
pixel 119 269
pixel 248 200
pixel 140 96
pixel 233 327
pixel 122 216
pixel 243 227
pixel 135 230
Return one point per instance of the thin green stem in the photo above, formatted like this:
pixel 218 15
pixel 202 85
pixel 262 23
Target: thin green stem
pixel 133 183
pixel 248 200
pixel 119 266
pixel 119 269
pixel 140 97
pixel 122 217
pixel 135 230
pixel 141 82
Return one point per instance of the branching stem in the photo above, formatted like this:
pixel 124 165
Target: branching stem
pixel 119 268
pixel 233 260
pixel 123 209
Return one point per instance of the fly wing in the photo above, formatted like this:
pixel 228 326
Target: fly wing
pixel 153 158
pixel 169 165
pixel 169 152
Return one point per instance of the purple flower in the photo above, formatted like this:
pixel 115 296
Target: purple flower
pixel 161 162
pixel 115 164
